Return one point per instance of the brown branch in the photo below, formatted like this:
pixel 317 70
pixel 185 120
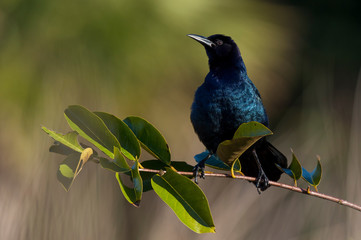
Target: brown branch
pixel 276 184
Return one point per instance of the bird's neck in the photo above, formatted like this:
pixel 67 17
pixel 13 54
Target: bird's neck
pixel 225 67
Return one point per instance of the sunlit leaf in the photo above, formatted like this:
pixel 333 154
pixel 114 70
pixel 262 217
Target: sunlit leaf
pixel 236 167
pixel 128 192
pixel 70 139
pixel 133 195
pixel 150 138
pixel 245 136
pixel 92 128
pixel 313 177
pixel 186 199
pixel 128 141
pixel 295 167
pixel 294 170
pixel 252 129
pixel 66 171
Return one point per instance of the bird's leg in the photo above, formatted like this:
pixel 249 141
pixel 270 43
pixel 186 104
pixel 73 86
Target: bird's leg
pixel 200 166
pixel 262 182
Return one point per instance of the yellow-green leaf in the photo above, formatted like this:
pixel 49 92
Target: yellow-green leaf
pixel 66 171
pixel 245 136
pixel 313 177
pixel 186 199
pixel 294 170
pixel 70 139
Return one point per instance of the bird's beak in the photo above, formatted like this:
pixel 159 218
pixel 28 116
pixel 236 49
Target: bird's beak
pixel 203 40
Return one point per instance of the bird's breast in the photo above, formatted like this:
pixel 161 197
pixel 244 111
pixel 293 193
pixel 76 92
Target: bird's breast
pixel 218 110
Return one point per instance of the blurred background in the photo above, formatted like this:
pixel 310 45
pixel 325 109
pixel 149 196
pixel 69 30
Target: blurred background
pixel 134 58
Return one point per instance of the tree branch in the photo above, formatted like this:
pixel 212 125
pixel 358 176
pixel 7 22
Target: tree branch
pixel 276 184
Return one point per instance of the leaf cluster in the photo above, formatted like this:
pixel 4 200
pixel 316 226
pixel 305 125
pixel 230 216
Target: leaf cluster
pixel 296 171
pixel 121 143
pixel 117 146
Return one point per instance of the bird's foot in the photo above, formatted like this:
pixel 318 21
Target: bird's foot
pixel 262 182
pixel 199 167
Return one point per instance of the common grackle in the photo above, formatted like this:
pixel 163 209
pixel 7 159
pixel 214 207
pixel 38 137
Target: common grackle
pixel 225 100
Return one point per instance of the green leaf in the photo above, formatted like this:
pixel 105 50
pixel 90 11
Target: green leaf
pixel 150 138
pixel 110 165
pixel 133 195
pixel 158 165
pixel 70 140
pixel 294 170
pixel 60 148
pixel 137 182
pixel 92 128
pixel 245 136
pixel 71 167
pixel 128 192
pixel 119 160
pixel 252 129
pixel 154 164
pixel 128 141
pixel 186 199
pixel 118 165
pixel 67 169
pixel 147 176
pixel 182 166
pixel 313 177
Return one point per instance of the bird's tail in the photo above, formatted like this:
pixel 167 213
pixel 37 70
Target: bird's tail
pixel 268 156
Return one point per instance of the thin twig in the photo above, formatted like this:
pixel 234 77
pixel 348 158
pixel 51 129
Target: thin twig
pixel 276 184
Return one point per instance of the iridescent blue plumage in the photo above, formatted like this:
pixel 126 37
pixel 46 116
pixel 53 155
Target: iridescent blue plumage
pixel 225 100
pixel 218 110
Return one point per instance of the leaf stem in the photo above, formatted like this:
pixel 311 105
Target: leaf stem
pixel 276 184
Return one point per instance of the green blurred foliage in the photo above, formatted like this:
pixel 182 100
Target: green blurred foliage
pixel 133 58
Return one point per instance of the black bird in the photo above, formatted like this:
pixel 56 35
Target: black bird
pixel 225 100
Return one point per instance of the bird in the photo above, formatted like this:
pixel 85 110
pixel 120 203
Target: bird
pixel 226 99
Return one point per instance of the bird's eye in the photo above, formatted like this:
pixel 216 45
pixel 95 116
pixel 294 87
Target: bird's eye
pixel 219 42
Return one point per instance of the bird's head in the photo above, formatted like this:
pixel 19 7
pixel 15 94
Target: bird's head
pixel 221 50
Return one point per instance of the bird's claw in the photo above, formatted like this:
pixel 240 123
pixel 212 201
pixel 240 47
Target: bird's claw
pixel 262 182
pixel 199 167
